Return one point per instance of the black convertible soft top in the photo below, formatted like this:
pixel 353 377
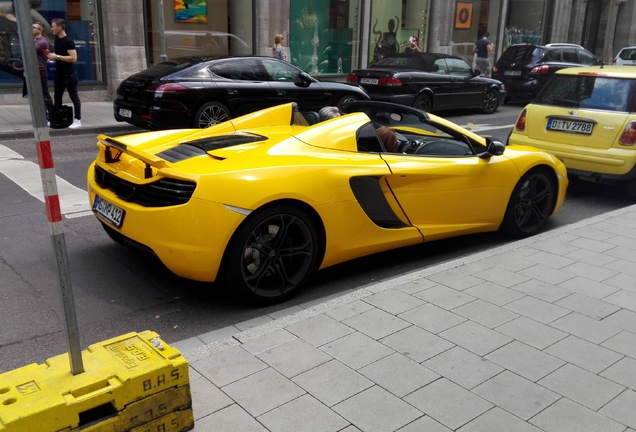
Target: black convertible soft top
pixel 420 61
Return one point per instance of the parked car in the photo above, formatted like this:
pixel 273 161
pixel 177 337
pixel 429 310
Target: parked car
pixel 626 56
pixel 524 69
pixel 430 82
pixel 587 118
pixel 199 91
pixel 261 201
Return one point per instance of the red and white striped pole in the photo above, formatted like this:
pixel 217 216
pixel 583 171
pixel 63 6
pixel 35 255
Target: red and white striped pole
pixel 49 183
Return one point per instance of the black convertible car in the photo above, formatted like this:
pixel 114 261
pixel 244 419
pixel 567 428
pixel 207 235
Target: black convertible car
pixel 201 91
pixel 430 82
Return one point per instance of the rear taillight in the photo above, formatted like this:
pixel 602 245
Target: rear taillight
pixel 166 88
pixel 389 82
pixel 540 70
pixel 628 138
pixel 495 69
pixel 520 126
pixel 352 79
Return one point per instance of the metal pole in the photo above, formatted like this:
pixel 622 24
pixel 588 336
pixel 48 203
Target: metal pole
pixel 49 186
pixel 162 34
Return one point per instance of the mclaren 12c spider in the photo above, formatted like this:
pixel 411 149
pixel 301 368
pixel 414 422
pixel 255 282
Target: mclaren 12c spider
pixel 261 201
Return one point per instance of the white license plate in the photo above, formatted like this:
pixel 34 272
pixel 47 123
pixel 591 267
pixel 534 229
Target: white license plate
pixel 368 80
pixel 512 73
pixel 125 113
pixel 108 211
pixel 570 126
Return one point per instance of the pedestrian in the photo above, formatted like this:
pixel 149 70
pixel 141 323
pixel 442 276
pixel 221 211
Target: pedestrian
pixel 278 49
pixel 411 46
pixel 482 48
pixel 42 51
pixel 65 76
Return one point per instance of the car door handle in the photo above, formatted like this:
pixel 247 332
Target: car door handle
pixel 281 92
pixel 231 92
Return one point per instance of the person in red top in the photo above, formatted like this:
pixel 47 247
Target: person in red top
pixel 65 76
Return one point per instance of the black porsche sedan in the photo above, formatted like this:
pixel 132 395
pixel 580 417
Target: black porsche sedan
pixel 200 91
pixel 430 82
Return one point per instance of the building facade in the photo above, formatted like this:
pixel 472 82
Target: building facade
pixel 117 38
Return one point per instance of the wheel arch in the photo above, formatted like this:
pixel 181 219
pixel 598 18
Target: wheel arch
pixel 293 203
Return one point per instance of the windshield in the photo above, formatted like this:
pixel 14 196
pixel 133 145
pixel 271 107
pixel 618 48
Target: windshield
pixel 588 91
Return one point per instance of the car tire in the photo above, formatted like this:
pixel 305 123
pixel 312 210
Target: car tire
pixel 271 254
pixel 347 98
pixel 211 113
pixel 531 204
pixel 490 102
pixel 423 102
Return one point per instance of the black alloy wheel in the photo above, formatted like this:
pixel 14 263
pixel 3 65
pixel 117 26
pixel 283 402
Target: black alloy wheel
pixel 272 254
pixel 530 205
pixel 491 102
pixel 423 102
pixel 210 114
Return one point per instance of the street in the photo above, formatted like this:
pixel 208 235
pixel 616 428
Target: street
pixel 119 290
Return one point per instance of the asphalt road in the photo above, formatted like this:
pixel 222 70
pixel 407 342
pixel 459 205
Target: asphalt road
pixel 119 290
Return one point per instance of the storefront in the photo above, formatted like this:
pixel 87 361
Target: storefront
pixel 117 38
pixel 82 25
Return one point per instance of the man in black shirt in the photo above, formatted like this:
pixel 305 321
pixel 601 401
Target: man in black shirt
pixel 482 48
pixel 65 76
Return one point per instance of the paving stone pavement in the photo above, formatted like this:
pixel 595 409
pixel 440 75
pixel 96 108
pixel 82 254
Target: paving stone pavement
pixel 536 335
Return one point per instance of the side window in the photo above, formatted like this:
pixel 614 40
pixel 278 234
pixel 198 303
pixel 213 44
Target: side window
pixel 439 67
pixel 552 55
pixel 242 70
pixel 458 67
pixel 586 58
pixel 281 71
pixel 569 55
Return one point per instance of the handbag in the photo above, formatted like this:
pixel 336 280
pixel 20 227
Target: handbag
pixel 62 117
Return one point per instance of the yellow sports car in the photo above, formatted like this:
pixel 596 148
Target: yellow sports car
pixel 261 201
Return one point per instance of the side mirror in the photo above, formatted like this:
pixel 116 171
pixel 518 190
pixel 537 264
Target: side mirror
pixel 493 148
pixel 305 78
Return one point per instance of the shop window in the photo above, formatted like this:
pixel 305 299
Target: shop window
pixel 224 29
pixel 393 22
pixel 324 35
pixel 82 24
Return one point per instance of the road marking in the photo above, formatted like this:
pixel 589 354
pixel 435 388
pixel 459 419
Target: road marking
pixel 73 200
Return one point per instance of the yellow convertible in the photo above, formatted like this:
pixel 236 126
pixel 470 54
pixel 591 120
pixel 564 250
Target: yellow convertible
pixel 261 201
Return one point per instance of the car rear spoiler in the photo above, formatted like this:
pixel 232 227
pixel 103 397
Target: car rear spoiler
pixel 111 146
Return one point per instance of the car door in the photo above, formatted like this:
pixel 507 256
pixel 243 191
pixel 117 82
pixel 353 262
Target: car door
pixel 459 194
pixel 440 189
pixel 441 83
pixel 242 85
pixel 468 89
pixel 289 86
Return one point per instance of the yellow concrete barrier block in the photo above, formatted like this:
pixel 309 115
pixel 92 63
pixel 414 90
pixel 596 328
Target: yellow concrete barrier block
pixel 129 383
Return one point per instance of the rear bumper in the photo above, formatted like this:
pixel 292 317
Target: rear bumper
pixel 175 116
pixel 601 165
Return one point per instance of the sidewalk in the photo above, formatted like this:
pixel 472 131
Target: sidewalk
pixel 97 117
pixel 536 335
